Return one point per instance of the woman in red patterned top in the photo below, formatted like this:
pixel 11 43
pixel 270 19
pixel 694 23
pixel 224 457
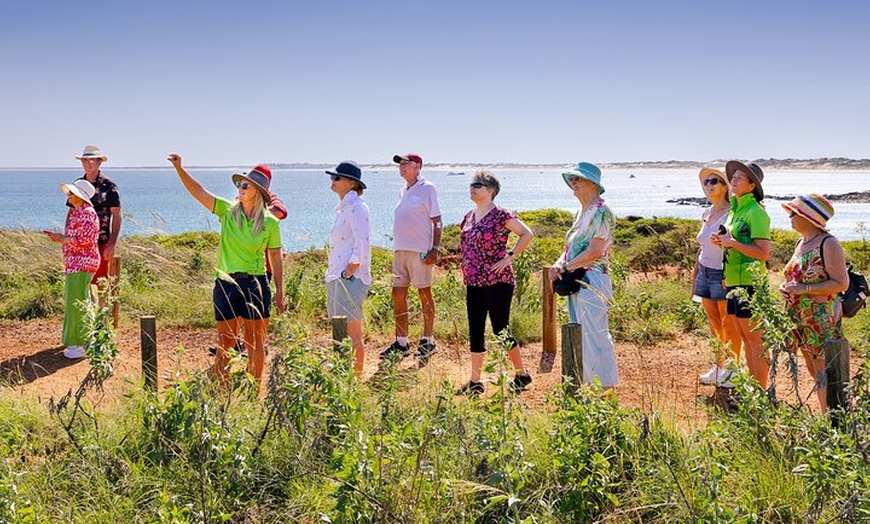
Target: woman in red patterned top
pixel 489 277
pixel 81 259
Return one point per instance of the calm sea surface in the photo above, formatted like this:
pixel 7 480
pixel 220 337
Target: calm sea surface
pixel 154 201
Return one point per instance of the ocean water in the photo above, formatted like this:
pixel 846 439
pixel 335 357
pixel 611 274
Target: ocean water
pixel 154 201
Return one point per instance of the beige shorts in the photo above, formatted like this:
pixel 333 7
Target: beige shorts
pixel 409 270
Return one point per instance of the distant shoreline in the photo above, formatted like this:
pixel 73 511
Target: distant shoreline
pixel 809 164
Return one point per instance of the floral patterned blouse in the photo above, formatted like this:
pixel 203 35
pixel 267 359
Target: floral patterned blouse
pixel 817 318
pixel 482 244
pixel 596 221
pixel 80 251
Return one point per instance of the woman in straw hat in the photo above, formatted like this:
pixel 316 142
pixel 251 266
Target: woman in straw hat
pixel 348 271
pixel 587 246
pixel 707 280
pixel 814 275
pixel 746 243
pixel 241 296
pixel 81 259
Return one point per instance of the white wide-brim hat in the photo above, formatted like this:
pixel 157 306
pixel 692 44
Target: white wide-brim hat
pixel 80 188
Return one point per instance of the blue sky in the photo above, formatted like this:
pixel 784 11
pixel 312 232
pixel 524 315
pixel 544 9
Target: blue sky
pixel 458 81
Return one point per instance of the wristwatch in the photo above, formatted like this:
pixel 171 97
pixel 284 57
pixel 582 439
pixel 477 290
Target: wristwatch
pixel 343 273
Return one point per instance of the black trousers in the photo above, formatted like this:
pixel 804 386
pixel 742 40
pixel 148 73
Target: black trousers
pixel 494 300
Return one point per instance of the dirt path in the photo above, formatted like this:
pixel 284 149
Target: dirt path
pixel 661 379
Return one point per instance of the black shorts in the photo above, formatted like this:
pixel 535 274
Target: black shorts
pixel 246 296
pixel 740 308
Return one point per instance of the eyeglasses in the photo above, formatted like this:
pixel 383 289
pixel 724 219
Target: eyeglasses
pixel 712 181
pixel 242 184
pixel 477 185
pixel 573 178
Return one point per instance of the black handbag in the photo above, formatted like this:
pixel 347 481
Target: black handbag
pixel 568 282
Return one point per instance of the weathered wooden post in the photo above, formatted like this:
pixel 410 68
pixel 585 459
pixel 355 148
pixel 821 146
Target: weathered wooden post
pixel 339 331
pixel 148 336
pixel 548 355
pixel 572 356
pixel 115 287
pixel 837 374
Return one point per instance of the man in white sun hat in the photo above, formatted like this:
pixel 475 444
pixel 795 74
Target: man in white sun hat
pixel 107 204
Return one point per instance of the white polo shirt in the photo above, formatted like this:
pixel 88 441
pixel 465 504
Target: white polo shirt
pixel 350 241
pixel 412 217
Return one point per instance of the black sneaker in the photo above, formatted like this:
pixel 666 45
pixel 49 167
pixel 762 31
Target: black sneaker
pixel 520 383
pixel 472 389
pixel 425 349
pixel 395 351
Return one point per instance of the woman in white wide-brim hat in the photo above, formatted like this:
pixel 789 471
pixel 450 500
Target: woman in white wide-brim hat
pixel 707 277
pixel 81 259
pixel 242 296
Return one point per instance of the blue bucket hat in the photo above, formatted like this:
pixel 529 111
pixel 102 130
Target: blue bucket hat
pixel 348 169
pixel 586 171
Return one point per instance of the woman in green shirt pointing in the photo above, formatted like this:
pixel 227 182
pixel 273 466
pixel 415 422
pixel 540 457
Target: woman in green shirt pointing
pixel 242 297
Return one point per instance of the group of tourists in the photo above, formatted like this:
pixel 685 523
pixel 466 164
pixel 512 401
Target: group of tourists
pixel 734 235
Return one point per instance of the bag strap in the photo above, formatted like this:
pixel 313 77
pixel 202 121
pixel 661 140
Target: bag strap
pixel 822 255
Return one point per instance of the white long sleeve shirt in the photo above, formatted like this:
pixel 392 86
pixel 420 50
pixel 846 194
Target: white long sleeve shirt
pixel 350 241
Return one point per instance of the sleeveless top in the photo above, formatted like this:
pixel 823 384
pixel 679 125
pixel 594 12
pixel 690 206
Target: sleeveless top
pixel 817 318
pixel 710 255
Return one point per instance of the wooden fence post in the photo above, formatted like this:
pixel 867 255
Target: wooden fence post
pixel 837 375
pixel 339 331
pixel 148 336
pixel 114 286
pixel 548 301
pixel 572 356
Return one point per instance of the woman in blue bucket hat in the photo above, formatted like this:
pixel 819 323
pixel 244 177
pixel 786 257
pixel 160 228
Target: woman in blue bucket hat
pixel 587 245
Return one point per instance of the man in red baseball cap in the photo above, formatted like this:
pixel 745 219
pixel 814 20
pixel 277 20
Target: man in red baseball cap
pixel 416 239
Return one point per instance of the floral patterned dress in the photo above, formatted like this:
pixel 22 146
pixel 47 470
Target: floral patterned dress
pixel 817 317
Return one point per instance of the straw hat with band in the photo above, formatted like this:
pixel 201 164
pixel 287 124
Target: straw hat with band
pixel 586 171
pixel 80 188
pixel 350 170
pixel 260 181
pixel 92 152
pixel 752 170
pixel 813 207
pixel 707 171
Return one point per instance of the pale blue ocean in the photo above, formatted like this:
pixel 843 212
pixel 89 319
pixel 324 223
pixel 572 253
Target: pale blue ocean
pixel 153 200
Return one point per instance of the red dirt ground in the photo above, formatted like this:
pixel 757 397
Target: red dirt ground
pixel 661 379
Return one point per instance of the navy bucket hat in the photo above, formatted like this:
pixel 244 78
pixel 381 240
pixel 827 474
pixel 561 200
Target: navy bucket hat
pixel 348 169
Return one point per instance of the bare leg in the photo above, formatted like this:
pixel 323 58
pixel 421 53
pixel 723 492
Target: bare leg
pixel 476 366
pixel 731 334
pixel 753 345
pixel 517 360
pixel 400 308
pixel 255 342
pixel 228 331
pixel 816 367
pixel 427 302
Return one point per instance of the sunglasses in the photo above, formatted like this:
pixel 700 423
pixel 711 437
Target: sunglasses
pixel 712 181
pixel 476 185
pixel 241 184
pixel 573 178
pixel 792 214
pixel 335 178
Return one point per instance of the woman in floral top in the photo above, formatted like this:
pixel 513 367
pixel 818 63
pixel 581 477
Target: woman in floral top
pixel 489 277
pixel 81 259
pixel 813 277
pixel 588 246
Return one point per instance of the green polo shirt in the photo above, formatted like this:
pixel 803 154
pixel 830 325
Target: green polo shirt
pixel 240 251
pixel 746 222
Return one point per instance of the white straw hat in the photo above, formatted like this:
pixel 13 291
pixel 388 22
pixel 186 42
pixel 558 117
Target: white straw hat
pixel 92 152
pixel 80 188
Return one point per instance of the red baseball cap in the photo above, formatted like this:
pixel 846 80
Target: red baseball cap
pixel 263 168
pixel 412 157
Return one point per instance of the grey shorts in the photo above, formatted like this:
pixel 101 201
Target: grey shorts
pixel 344 298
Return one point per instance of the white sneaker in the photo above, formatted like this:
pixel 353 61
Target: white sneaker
pixel 711 377
pixel 725 380
pixel 74 352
